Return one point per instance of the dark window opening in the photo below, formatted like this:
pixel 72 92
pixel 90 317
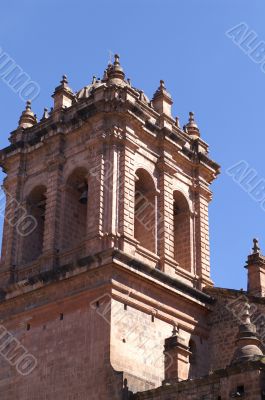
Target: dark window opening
pixel 32 243
pixel 74 214
pixel 145 211
pixel 182 231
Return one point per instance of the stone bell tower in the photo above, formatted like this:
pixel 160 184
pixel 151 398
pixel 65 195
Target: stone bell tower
pixel 106 239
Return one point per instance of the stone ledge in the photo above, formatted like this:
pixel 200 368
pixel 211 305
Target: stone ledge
pixel 179 387
pixel 82 265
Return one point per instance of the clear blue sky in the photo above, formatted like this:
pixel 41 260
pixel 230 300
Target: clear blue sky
pixel 182 42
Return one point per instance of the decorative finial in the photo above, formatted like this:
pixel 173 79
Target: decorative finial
pixel 64 80
pixel 63 95
pixel 162 100
pixel 45 114
pixel 94 79
pixel 115 70
pixel 191 116
pixel 192 127
pixel 105 76
pixel 129 81
pixel 177 121
pixel 28 118
pixel 255 248
pixel 116 59
pixel 248 345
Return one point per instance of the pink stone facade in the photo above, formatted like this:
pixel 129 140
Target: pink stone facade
pixel 119 254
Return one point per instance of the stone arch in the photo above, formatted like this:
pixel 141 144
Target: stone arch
pixel 72 166
pixel 32 242
pixel 145 209
pixel 33 182
pixel 148 169
pixel 74 210
pixel 182 230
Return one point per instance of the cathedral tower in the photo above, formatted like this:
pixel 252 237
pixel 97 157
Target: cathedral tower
pixel 106 240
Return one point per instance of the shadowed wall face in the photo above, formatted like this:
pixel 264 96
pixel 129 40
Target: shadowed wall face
pixel 32 244
pixel 182 231
pixel 74 219
pixel 145 211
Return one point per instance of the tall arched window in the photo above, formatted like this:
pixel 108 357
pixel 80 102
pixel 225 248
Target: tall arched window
pixel 74 215
pixel 145 210
pixel 32 244
pixel 182 231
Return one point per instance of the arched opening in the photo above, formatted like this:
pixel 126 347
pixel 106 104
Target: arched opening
pixel 145 210
pixel 32 243
pixel 182 231
pixel 74 215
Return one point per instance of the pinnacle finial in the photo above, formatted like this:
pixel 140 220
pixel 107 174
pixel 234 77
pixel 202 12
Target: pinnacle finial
pixel 191 116
pixel 45 114
pixel 115 70
pixel 192 127
pixel 162 100
pixel 105 76
pixel 162 90
pixel 116 59
pixel 64 79
pixel 63 95
pixel 248 345
pixel 162 84
pixel 255 248
pixel 192 119
pixel 27 118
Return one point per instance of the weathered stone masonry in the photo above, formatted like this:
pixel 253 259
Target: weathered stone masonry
pixel 119 256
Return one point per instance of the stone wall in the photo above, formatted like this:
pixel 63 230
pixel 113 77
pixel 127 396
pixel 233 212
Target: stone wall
pixel 247 379
pixel 224 321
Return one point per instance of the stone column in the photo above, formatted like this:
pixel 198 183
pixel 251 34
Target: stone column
pixel 202 197
pixel 96 198
pixel 126 196
pixel 165 219
pixel 256 272
pixel 111 189
pixel 13 213
pixel 176 358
